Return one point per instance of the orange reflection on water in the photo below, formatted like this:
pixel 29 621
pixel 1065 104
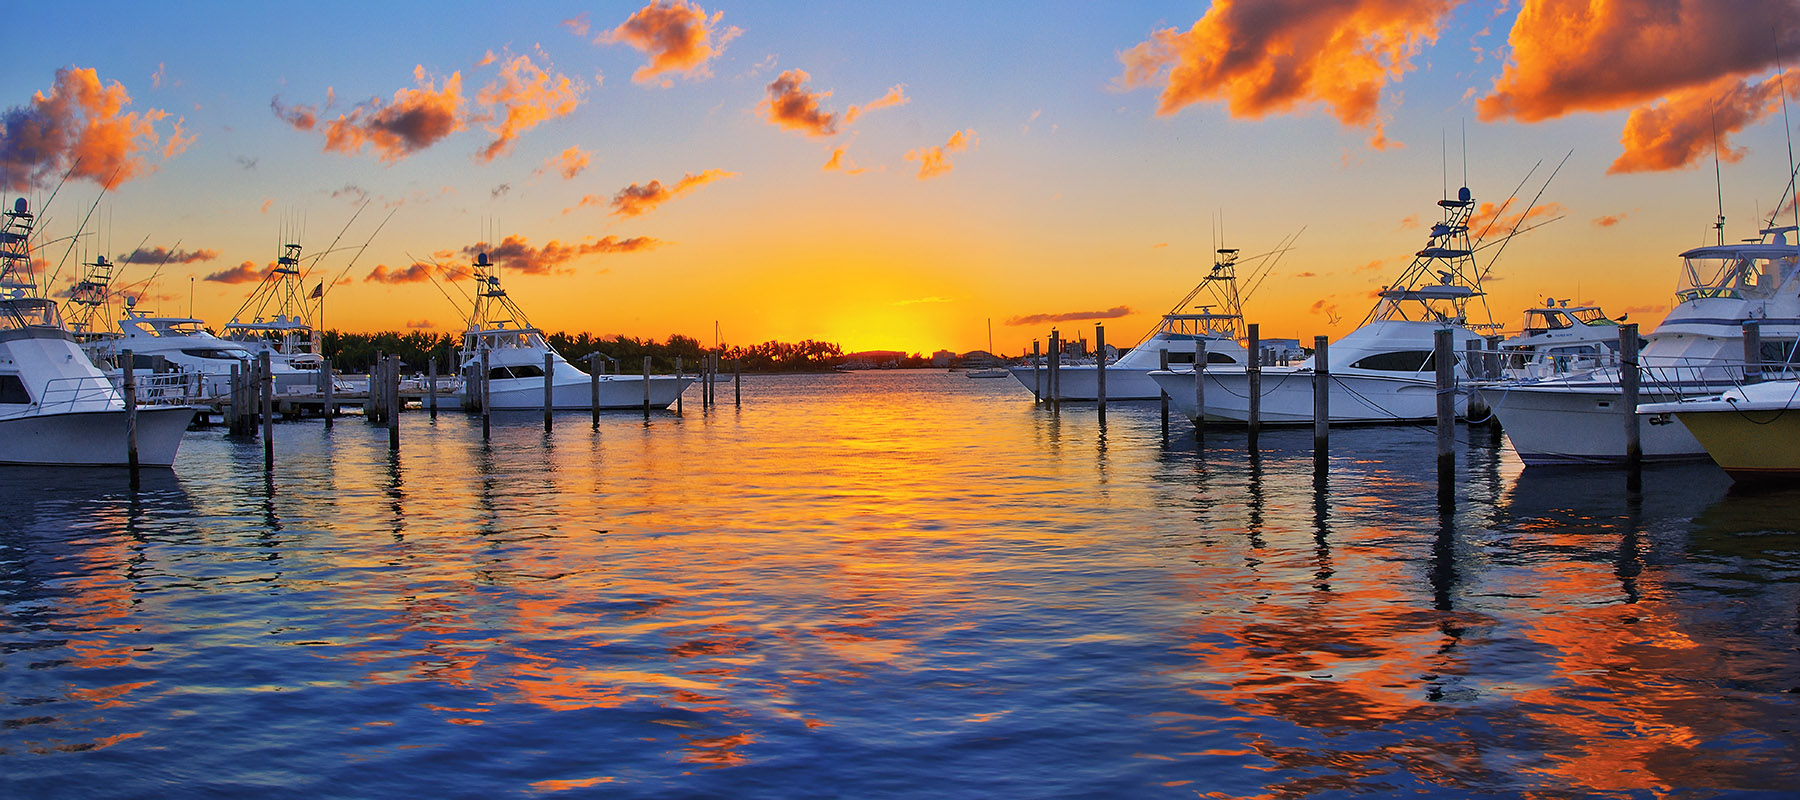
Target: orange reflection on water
pixel 718 751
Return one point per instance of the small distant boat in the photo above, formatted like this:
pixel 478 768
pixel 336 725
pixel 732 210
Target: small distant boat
pixel 1752 432
pixel 993 371
pixel 515 360
pixel 56 407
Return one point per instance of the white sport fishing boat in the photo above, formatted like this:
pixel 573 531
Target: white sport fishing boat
pixel 515 359
pixel 1382 372
pixel 1698 350
pixel 56 407
pixel 1179 332
pixel 279 317
pixel 1558 339
pixel 187 347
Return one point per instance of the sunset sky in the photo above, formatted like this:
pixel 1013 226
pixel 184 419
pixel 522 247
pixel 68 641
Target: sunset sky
pixel 889 175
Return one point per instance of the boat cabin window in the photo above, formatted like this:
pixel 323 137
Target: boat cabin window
pixel 12 390
pixel 219 353
pixel 520 371
pixel 1181 358
pixel 1779 351
pixel 1402 361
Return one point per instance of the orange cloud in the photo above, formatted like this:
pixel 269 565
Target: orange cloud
pixel 840 162
pixel 525 96
pixel 1681 129
pixel 416 119
pixel 1074 316
pixel 1487 220
pixel 1587 55
pixel 420 324
pixel 570 163
pixel 792 106
pixel 935 160
pixel 517 253
pixel 1268 57
pixel 1609 220
pixel 161 255
pixel 894 97
pixel 635 200
pixel 416 273
pixel 678 38
pixel 81 127
pixel 247 272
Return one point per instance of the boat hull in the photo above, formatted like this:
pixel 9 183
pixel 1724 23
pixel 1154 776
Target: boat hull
pixel 616 391
pixel 1079 382
pixel 1749 445
pixel 1562 425
pixel 1287 397
pixel 94 438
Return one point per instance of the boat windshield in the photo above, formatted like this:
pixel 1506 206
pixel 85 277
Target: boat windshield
pixel 29 313
pixel 1543 320
pixel 184 328
pixel 220 353
pixel 1742 274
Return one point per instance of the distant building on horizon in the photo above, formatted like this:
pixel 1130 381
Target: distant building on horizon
pixel 873 359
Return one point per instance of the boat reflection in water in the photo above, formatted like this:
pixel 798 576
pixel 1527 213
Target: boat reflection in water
pixel 895 584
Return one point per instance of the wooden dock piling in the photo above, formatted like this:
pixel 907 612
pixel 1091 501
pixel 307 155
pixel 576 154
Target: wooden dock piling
pixel 1321 380
pixel 1100 370
pixel 646 387
pixel 265 375
pixel 1199 390
pixel 1628 391
pixel 1162 363
pixel 1254 374
pixel 486 397
pixel 127 360
pixel 549 388
pixel 394 402
pixel 1752 351
pixel 1037 373
pixel 1443 352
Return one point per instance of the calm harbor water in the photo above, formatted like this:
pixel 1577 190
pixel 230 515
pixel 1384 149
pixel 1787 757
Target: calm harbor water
pixel 890 584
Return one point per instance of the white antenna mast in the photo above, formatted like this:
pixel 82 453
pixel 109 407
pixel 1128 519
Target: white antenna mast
pixel 1718 182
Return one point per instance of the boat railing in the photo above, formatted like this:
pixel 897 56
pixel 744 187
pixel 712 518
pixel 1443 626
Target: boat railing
pixel 1665 374
pixel 78 393
pixel 169 388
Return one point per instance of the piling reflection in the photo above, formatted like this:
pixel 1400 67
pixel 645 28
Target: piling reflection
pixel 71 567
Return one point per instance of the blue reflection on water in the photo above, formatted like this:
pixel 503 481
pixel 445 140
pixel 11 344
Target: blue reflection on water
pixel 889 585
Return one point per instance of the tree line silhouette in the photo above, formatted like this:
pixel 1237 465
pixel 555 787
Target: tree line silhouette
pixel 355 352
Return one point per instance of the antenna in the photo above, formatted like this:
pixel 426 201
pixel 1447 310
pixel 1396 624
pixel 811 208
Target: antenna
pixel 1718 183
pixel 1465 151
pixel 1788 128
